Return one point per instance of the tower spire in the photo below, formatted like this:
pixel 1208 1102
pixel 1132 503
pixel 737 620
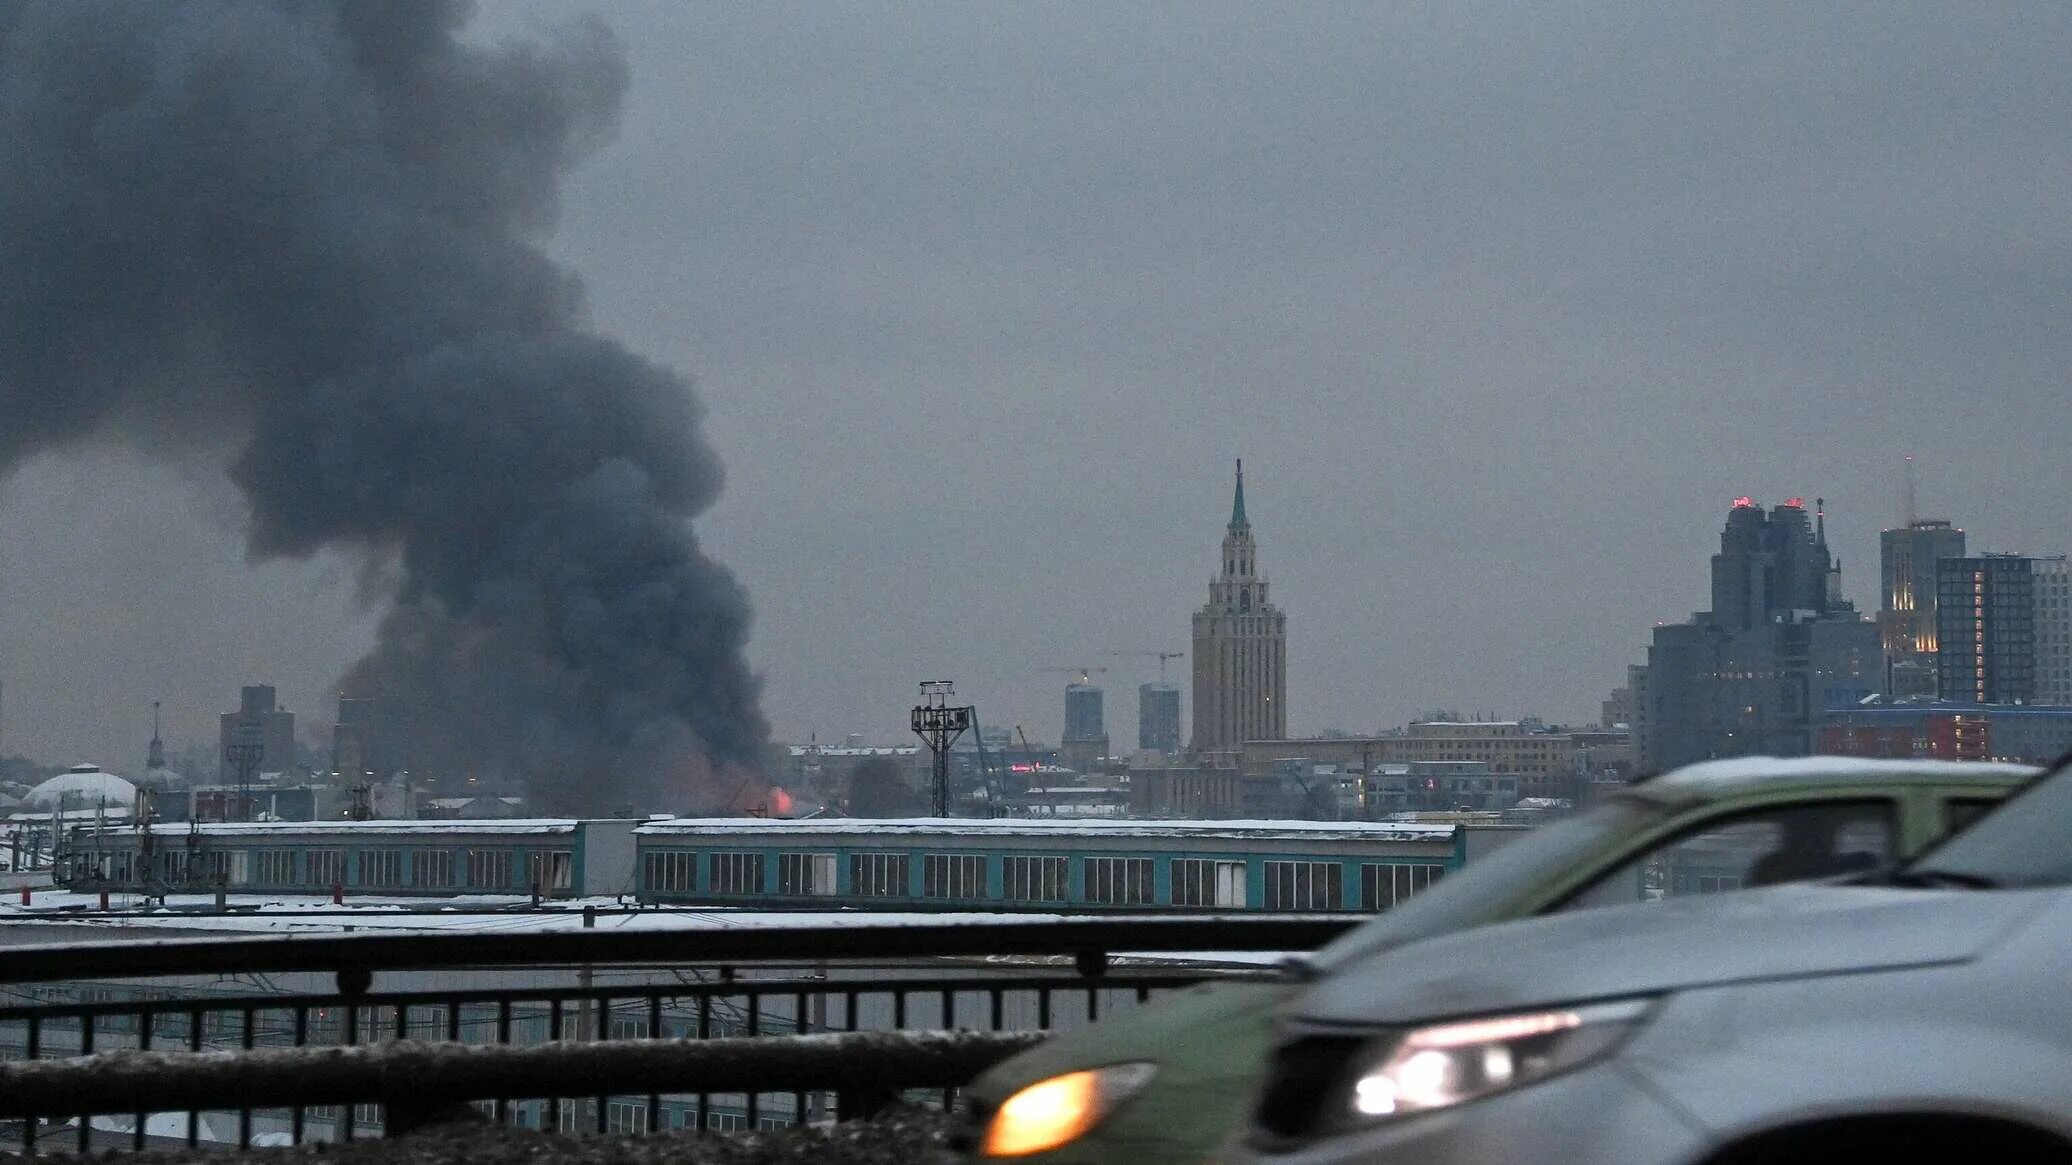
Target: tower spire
pixel 1820 521
pixel 1237 501
pixel 155 758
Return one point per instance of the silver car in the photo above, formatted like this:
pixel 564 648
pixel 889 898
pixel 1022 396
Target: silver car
pixel 1925 1014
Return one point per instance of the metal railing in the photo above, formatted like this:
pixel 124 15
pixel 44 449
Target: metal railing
pixel 669 1002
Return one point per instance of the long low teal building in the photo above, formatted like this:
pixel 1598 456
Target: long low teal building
pixel 552 857
pixel 1046 864
pixel 926 864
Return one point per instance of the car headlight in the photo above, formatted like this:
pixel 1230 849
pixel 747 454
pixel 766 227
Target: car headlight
pixel 1449 1063
pixel 1060 1110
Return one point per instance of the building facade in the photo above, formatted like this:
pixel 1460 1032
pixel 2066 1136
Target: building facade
pixel 359 744
pixel 1907 559
pixel 1752 675
pixel 259 725
pixel 1085 741
pixel 1986 629
pixel 1158 717
pixel 1240 649
pixel 1948 730
pixel 2053 586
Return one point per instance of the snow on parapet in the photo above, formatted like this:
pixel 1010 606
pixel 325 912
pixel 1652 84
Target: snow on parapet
pixel 1037 827
pixel 412 825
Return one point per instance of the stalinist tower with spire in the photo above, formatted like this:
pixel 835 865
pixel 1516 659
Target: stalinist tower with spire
pixel 1240 650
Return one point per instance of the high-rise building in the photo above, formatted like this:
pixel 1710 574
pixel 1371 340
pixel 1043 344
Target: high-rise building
pixel 257 722
pixel 1985 627
pixel 1086 735
pixel 2053 630
pixel 1158 717
pixel 1240 649
pixel 1906 621
pixel 1779 645
pixel 1640 729
pixel 359 741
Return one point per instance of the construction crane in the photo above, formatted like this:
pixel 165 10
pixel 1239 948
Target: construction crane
pixel 1028 754
pixel 1163 656
pixel 1085 674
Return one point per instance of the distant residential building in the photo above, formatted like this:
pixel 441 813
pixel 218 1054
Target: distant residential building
pixel 1085 742
pixel 2053 586
pixel 826 770
pixel 1439 786
pixel 359 740
pixel 1917 730
pixel 1986 629
pixel 1598 752
pixel 1643 738
pixel 483 808
pixel 1949 730
pixel 259 724
pixel 2033 734
pixel 1780 645
pixel 1158 717
pixel 1907 630
pixel 1069 801
pixel 1197 793
pixel 1240 649
pixel 1618 708
pixel 1544 762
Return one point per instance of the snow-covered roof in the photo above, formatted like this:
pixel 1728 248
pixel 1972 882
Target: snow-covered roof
pixel 378 826
pixel 1036 827
pixel 80 786
pixel 113 812
pixel 1707 774
pixel 801 750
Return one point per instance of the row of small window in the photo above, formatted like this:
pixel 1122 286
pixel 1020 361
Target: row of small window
pixel 429 868
pixel 1289 885
pixel 880 875
pixel 631 1116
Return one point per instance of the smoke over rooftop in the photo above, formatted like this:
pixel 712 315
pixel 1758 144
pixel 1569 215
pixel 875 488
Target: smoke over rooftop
pixel 304 237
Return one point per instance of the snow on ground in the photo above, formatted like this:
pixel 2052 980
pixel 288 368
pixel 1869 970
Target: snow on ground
pixel 287 913
pixel 306 915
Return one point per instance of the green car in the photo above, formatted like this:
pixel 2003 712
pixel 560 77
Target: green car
pixel 1167 1082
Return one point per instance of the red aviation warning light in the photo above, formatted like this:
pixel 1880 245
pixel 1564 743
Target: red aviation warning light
pixel 1744 502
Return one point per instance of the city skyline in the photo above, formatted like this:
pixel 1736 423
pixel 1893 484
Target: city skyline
pixel 1121 708
pixel 1501 389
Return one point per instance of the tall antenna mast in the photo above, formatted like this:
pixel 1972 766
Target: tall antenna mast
pixel 1907 512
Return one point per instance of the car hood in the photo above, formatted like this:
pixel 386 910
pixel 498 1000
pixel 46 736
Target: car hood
pixel 1786 932
pixel 1162 1032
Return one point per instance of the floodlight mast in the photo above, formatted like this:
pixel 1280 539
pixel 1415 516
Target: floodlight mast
pixel 939 723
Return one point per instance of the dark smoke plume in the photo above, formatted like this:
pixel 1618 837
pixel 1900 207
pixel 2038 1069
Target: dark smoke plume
pixel 308 234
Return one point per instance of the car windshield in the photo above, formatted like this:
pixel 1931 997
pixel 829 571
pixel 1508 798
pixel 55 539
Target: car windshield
pixel 2025 842
pixel 1473 895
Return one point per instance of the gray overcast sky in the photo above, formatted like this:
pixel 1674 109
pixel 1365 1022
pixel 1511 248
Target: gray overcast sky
pixel 1500 305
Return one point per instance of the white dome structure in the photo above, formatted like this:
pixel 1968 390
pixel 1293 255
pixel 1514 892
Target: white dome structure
pixel 81 787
